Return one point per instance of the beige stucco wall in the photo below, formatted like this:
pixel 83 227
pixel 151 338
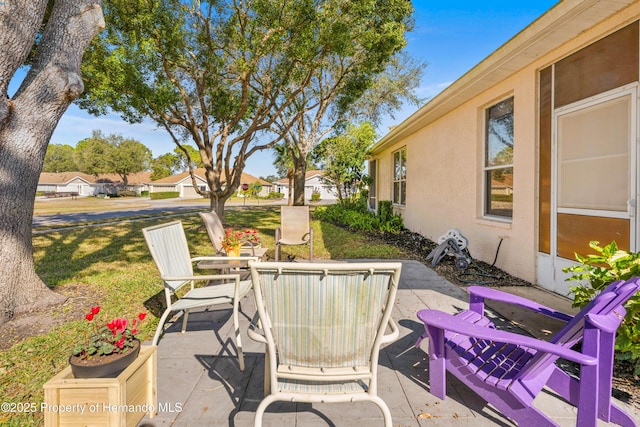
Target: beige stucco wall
pixel 444 166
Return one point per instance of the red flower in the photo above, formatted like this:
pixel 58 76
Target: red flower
pixel 100 341
pixel 117 325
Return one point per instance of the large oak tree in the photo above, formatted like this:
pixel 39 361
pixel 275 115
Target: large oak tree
pixel 50 38
pixel 219 73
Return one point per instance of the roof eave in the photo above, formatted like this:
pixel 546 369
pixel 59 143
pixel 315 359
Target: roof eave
pixel 563 22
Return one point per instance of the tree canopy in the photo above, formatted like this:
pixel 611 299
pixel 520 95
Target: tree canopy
pixel 219 73
pixel 367 78
pixel 112 154
pixel 59 158
pixel 344 156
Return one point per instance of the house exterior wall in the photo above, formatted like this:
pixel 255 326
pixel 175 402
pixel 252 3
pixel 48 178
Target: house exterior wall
pixel 312 183
pixel 445 161
pixel 316 183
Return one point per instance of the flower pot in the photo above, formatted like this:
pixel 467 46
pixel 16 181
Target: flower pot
pixel 233 252
pixel 115 402
pixel 109 366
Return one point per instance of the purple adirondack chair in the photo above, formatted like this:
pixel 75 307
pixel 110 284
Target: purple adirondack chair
pixel 508 370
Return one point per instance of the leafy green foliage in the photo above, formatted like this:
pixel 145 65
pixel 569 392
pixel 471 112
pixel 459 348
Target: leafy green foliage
pixel 594 273
pixel 59 158
pixel 164 195
pixel 344 157
pixel 219 73
pixel 356 216
pixel 111 154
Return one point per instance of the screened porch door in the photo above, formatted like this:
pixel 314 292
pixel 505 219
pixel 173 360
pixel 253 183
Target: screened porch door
pixel 595 180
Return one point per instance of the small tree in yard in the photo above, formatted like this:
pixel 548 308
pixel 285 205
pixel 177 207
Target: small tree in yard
pixel 50 38
pixel 344 155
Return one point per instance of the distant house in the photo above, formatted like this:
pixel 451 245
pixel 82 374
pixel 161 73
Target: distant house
pixel 534 151
pixel 183 184
pixel 314 182
pixel 90 185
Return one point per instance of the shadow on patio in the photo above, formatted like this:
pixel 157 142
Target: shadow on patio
pixel 199 381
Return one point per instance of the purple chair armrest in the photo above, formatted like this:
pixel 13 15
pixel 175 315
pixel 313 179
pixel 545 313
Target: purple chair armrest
pixel 447 322
pixel 477 295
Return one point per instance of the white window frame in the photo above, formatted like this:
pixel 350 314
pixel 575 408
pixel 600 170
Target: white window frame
pixel 400 178
pixel 373 188
pixel 486 196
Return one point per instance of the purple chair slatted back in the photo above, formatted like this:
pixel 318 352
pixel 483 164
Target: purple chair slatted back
pixel 611 298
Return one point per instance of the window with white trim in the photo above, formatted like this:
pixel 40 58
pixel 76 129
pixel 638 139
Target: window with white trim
pixel 498 160
pixel 373 165
pixel 400 176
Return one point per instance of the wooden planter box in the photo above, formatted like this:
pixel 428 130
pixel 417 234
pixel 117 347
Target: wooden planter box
pixel 120 401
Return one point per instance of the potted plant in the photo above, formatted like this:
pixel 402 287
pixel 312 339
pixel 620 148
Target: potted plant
pixel 234 240
pixel 108 348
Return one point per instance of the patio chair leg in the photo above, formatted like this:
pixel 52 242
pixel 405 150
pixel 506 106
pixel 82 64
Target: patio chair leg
pixel 386 413
pixel 257 422
pixel 159 329
pixel 185 316
pixel 236 328
pixel 267 371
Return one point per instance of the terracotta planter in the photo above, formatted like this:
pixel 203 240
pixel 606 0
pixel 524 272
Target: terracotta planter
pixel 104 366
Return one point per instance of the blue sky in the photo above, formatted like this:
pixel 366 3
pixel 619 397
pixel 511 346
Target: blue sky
pixel 450 36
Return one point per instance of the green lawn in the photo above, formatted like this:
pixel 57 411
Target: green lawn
pixel 110 266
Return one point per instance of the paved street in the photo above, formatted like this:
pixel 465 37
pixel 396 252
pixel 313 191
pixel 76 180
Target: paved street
pixel 152 207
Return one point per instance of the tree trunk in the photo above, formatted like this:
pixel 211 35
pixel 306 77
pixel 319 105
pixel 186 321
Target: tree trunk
pixel 26 124
pixel 299 173
pixel 290 192
pixel 217 206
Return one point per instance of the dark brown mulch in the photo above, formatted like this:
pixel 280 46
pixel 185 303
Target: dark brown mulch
pixel 40 321
pixel 626 385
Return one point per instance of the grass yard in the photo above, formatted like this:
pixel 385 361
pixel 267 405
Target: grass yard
pixel 84 204
pixel 94 204
pixel 110 266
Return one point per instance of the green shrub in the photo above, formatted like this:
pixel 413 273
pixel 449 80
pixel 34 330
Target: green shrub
pixel 40 193
pixel 315 197
pixel 275 195
pixel 385 210
pixel 144 193
pixel 595 273
pixel 164 195
pixel 125 193
pixel 355 216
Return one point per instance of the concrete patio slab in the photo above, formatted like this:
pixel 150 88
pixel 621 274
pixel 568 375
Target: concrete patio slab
pixel 199 381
